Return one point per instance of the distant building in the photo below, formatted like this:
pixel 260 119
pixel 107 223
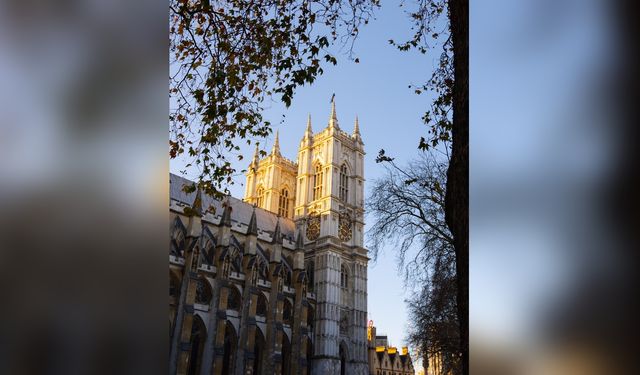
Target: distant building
pixel 385 359
pixel 275 283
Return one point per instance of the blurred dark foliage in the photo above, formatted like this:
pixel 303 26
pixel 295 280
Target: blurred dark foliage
pixel 588 323
pixel 83 187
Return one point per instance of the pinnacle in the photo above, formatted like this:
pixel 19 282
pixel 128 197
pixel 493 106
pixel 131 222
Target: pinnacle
pixel 276 144
pixel 333 118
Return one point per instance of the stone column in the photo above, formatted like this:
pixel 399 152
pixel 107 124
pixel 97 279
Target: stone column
pixel 209 344
pixel 359 335
pixel 221 321
pixel 299 327
pixel 246 334
pixel 273 360
pixel 181 346
pixel 326 358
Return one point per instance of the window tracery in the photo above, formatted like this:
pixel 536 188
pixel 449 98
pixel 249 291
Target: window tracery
pixel 260 197
pixel 283 203
pixel 344 183
pixel 317 182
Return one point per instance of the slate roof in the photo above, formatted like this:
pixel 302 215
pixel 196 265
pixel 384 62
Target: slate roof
pixel 240 213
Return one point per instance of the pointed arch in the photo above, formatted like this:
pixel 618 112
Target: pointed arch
pixel 288 271
pixel 318 180
pixel 287 312
pixel 283 202
pixel 344 358
pixel 229 348
pixel 262 306
pixel 260 196
pixel 286 355
pixel 310 270
pixel 344 276
pixel 203 292
pixel 178 238
pixel 259 347
pixel 198 337
pixel 344 182
pixel 234 299
pixel 208 245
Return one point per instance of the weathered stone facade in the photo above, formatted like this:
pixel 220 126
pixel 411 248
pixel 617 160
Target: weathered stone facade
pixel 276 283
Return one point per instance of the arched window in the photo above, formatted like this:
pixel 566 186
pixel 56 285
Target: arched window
pixel 258 352
pixel 344 183
pixel 177 239
pixel 286 355
pixel 260 199
pixel 283 204
pixel 261 308
pixel 287 313
pixel 317 182
pixel 203 292
pixel 234 300
pixel 230 340
pixel 310 319
pixel 198 336
pixel 344 277
pixel 310 273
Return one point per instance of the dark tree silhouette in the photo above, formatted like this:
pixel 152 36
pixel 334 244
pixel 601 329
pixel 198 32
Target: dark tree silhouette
pixel 448 120
pixel 229 57
pixel 408 205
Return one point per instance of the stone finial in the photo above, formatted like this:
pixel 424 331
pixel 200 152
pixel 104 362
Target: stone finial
pixel 253 224
pixel 276 145
pixel 356 127
pixel 300 241
pixel 308 132
pixel 226 213
pixel 256 156
pixel 197 203
pixel 333 118
pixel 277 235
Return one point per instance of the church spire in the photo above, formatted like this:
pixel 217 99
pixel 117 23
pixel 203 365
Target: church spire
pixel 333 118
pixel 356 127
pixel 276 145
pixel 256 156
pixel 356 131
pixel 309 132
pixel 307 138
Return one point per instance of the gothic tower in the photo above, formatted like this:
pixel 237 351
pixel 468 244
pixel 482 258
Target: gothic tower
pixel 324 194
pixel 271 182
pixel 329 206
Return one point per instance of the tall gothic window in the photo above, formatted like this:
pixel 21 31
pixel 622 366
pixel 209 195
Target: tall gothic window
pixel 260 194
pixel 345 296
pixel 344 277
pixel 283 204
pixel 317 182
pixel 344 183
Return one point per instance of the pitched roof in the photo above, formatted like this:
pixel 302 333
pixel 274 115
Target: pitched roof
pixel 240 213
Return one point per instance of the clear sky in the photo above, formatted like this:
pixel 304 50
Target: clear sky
pixel 389 113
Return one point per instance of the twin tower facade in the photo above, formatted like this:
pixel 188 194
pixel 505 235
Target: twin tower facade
pixel 322 194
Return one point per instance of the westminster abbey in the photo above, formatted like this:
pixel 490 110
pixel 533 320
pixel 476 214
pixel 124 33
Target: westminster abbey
pixel 275 283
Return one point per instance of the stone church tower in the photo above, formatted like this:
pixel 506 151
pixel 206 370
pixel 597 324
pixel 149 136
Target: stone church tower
pixel 323 192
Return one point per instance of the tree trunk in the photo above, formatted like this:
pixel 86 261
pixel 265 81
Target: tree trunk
pixel 457 196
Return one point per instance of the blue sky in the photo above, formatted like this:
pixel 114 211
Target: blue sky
pixel 389 113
